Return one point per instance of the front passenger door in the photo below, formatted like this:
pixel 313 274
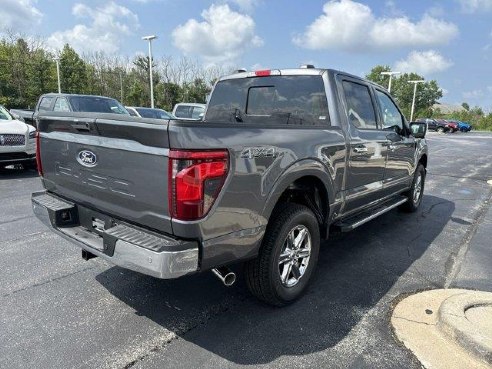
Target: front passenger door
pixel 401 145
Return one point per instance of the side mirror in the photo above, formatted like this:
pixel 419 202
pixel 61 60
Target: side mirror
pixel 418 129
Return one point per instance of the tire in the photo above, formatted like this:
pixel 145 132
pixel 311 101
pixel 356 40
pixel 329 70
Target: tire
pixel 416 192
pixel 273 281
pixel 440 130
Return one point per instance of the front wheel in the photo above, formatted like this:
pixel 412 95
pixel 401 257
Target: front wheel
pixel 287 258
pixel 440 129
pixel 416 192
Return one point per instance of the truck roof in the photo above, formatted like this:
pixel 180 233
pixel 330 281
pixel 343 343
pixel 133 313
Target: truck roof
pixel 293 72
pixel 82 95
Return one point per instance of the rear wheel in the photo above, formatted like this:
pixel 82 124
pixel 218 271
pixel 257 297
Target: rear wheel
pixel 440 129
pixel 416 192
pixel 287 258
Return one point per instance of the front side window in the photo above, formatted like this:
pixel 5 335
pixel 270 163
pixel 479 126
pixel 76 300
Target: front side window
pixel 93 104
pixel 360 110
pixel 392 119
pixel 298 99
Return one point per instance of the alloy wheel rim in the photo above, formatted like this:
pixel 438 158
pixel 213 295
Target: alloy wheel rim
pixel 295 255
pixel 417 190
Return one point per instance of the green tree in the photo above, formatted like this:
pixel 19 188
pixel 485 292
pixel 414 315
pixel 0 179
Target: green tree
pixel 73 72
pixel 466 106
pixel 376 76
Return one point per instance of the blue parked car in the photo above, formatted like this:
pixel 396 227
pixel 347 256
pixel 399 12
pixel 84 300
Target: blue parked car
pixel 462 126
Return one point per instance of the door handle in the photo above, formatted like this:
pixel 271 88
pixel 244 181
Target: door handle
pixel 360 149
pixel 82 126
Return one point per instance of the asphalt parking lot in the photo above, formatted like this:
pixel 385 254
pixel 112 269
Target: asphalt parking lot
pixel 59 311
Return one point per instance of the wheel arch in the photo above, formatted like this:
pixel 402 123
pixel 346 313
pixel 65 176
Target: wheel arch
pixel 307 183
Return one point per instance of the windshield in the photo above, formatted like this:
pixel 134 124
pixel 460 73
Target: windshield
pixel 153 113
pixel 299 99
pixel 4 114
pixel 94 104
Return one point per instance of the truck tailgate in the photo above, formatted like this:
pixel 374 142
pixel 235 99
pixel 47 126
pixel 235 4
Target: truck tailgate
pixel 117 165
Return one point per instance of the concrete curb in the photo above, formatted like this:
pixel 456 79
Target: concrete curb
pixel 470 334
pixel 446 328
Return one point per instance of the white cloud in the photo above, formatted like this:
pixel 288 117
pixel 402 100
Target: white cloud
pixel 19 14
pixel 106 27
pixel 223 35
pixel 351 26
pixel 423 62
pixel 475 6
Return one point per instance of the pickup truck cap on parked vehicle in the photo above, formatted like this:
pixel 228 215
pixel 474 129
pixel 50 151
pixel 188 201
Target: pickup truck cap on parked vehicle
pixel 281 158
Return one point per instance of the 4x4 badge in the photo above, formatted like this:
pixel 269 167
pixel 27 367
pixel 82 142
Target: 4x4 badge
pixel 87 158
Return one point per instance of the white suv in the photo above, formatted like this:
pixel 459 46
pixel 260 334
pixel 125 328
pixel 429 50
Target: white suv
pixel 17 141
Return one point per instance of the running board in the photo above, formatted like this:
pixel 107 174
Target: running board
pixel 355 221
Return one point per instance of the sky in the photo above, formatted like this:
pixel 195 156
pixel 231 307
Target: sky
pixel 448 40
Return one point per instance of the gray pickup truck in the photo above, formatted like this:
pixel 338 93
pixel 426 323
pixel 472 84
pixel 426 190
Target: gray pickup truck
pixel 281 158
pixel 54 102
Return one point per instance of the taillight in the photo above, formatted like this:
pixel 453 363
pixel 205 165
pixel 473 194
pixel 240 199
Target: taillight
pixel 195 180
pixel 38 154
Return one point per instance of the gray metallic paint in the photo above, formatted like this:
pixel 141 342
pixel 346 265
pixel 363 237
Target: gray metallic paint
pixel 234 227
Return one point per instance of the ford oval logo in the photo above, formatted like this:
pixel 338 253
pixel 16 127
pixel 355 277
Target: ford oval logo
pixel 87 158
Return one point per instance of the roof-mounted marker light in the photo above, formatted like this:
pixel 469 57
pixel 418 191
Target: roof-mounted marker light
pixel 307 66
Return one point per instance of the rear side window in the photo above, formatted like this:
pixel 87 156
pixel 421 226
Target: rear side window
pixel 61 104
pixel 45 104
pixel 270 100
pixel 360 110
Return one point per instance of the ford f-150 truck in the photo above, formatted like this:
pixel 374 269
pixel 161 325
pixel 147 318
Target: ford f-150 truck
pixel 281 158
pixel 68 103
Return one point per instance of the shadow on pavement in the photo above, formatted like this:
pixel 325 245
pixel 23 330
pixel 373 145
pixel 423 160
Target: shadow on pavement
pixel 355 271
pixel 17 172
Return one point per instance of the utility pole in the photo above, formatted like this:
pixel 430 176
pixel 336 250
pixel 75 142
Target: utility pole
pixel 150 38
pixel 121 88
pixel 391 77
pixel 414 93
pixel 57 60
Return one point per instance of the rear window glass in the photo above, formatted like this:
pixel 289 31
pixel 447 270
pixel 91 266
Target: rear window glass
pixel 92 104
pixel 270 100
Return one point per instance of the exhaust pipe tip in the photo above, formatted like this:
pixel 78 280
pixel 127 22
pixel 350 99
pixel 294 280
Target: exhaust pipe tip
pixel 227 276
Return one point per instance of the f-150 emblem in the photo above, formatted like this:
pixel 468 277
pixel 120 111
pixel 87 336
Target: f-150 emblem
pixel 87 158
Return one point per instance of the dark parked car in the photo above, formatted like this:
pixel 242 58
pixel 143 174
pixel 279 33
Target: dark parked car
pixel 438 125
pixel 153 113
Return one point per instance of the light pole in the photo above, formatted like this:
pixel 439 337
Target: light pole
pixel 150 38
pixel 391 77
pixel 414 93
pixel 57 60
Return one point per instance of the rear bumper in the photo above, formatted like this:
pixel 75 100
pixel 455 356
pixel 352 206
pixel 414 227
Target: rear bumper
pixel 122 244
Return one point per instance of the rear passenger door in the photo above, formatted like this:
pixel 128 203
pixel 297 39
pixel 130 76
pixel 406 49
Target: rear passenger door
pixel 400 144
pixel 367 146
